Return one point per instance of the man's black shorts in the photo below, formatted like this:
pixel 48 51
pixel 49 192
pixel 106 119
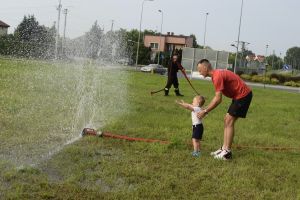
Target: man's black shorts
pixel 197 131
pixel 239 107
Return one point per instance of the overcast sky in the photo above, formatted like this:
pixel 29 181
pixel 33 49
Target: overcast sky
pixel 272 22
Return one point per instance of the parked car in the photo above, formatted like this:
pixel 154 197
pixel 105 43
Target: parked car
pixel 159 69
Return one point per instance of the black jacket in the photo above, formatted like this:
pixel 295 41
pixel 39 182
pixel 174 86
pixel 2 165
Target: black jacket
pixel 173 68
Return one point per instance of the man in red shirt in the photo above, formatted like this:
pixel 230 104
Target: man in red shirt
pixel 230 85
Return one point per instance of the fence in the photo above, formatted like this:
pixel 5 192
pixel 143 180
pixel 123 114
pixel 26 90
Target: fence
pixel 191 57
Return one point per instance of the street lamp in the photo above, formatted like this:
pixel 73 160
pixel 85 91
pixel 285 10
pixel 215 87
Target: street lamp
pixel 235 61
pixel 266 64
pixel 138 47
pixel 204 43
pixel 238 42
pixel 161 26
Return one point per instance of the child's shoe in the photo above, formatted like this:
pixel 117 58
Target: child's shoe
pixel 196 153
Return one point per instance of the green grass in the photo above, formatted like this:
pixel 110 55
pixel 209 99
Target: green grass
pixel 102 168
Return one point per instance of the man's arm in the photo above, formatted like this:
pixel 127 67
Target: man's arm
pixel 185 105
pixel 212 105
pixel 181 67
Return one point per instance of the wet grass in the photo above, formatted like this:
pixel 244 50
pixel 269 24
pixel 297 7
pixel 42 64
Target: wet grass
pixel 102 168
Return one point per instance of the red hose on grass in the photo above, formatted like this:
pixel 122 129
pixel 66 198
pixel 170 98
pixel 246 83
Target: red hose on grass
pixel 123 137
pixel 92 132
pixel 270 148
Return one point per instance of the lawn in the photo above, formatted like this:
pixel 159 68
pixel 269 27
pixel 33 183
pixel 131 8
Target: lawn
pixel 44 105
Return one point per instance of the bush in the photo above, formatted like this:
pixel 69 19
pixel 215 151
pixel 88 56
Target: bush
pixel 257 78
pixel 295 78
pixel 274 81
pixel 266 79
pixel 292 83
pixel 239 73
pixel 279 77
pixel 246 77
pixel 283 78
pixel 254 73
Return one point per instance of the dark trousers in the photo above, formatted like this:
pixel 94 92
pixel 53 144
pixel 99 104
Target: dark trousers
pixel 172 81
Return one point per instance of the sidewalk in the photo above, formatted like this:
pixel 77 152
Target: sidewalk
pixel 276 87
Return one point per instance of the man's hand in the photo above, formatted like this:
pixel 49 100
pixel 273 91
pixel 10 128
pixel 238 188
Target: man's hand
pixel 201 114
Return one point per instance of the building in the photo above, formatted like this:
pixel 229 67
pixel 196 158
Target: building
pixel 255 63
pixel 3 28
pixel 167 43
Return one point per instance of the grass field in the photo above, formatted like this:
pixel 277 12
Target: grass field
pixel 101 168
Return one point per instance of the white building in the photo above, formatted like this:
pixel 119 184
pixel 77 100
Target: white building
pixel 3 28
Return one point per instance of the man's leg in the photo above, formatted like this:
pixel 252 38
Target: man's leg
pixel 168 86
pixel 229 122
pixel 176 86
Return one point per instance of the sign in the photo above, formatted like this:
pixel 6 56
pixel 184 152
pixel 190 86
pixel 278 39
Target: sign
pixel 287 67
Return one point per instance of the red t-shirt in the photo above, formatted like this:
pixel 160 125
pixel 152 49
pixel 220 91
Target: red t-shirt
pixel 230 84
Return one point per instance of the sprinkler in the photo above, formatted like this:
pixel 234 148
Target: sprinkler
pixel 90 131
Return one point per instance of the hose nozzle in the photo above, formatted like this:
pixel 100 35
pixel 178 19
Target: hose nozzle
pixel 91 132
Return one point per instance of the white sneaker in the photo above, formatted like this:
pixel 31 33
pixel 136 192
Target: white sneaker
pixel 224 155
pixel 214 153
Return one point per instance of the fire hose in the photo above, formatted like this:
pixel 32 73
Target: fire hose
pixel 188 80
pixel 93 132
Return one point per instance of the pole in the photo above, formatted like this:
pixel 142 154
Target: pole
pixel 138 44
pixel 57 33
pixel 238 42
pixel 161 26
pixel 266 63
pixel 204 40
pixel 112 25
pixel 65 25
pixel 273 59
pixel 242 57
pixel 279 63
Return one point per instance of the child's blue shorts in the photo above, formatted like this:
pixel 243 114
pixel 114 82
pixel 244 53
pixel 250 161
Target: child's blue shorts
pixel 197 131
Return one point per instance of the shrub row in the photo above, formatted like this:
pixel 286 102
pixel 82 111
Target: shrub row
pixel 285 78
pixel 292 83
pixel 273 79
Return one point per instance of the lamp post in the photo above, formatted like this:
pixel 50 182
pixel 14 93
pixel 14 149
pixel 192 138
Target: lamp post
pixel 279 63
pixel 266 64
pixel 161 26
pixel 235 61
pixel 138 47
pixel 238 41
pixel 204 40
pixel 267 46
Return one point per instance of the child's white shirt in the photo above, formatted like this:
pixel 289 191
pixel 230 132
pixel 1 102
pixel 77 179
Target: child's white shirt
pixel 195 119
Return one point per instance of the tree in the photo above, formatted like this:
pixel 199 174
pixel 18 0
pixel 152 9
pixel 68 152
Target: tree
pixel 195 43
pixel 231 59
pixel 34 40
pixel 275 62
pixel 293 57
pixel 93 41
pixel 144 52
pixel 149 32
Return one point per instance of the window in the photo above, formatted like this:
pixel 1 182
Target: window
pixel 154 45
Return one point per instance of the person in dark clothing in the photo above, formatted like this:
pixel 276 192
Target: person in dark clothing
pixel 173 68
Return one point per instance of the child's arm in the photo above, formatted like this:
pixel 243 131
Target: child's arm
pixel 185 105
